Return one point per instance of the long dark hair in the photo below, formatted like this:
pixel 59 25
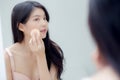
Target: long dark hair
pixel 104 21
pixel 20 14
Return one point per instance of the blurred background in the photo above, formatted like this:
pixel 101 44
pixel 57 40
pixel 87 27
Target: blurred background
pixel 68 27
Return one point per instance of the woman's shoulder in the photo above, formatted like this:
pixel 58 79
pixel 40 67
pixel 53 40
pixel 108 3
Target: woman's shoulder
pixel 8 52
pixel 12 49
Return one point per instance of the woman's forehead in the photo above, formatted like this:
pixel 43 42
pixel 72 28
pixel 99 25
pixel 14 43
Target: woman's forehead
pixel 37 12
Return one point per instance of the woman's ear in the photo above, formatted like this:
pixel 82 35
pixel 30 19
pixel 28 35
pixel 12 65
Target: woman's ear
pixel 21 27
pixel 99 59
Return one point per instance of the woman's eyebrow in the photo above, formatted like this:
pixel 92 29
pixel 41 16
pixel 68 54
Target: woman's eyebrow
pixel 38 15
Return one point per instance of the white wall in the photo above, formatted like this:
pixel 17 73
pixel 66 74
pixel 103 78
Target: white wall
pixel 2 65
pixel 68 27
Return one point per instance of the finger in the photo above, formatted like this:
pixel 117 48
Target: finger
pixel 40 41
pixel 38 38
pixel 43 44
pixel 30 43
pixel 35 34
pixel 34 40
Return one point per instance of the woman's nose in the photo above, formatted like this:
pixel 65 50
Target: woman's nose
pixel 43 22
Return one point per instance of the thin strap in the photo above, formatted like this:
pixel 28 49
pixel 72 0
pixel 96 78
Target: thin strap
pixel 11 59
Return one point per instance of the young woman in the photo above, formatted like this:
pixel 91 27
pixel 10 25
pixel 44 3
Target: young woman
pixel 33 56
pixel 104 21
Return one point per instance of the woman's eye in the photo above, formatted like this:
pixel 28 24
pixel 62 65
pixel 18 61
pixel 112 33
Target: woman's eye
pixel 37 19
pixel 44 18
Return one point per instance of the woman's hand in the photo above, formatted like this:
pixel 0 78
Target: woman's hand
pixel 37 47
pixel 36 43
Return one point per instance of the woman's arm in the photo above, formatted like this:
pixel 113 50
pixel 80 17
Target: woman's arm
pixel 43 68
pixel 53 72
pixel 38 49
pixel 44 73
pixel 8 66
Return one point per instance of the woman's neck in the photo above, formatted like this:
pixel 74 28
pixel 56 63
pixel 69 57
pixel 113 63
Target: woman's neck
pixel 25 46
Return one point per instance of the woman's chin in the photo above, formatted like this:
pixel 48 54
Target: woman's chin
pixel 43 36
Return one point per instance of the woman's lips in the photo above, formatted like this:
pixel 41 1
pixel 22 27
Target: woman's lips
pixel 43 31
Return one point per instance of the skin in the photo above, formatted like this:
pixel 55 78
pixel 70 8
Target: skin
pixel 104 69
pixel 29 55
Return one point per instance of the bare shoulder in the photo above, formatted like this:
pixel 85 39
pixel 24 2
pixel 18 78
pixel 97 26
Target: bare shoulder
pixel 8 66
pixel 11 49
pixel 14 48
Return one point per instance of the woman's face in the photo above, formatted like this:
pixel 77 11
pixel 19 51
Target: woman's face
pixel 37 20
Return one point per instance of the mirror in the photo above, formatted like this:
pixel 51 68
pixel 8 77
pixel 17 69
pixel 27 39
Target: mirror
pixel 68 27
